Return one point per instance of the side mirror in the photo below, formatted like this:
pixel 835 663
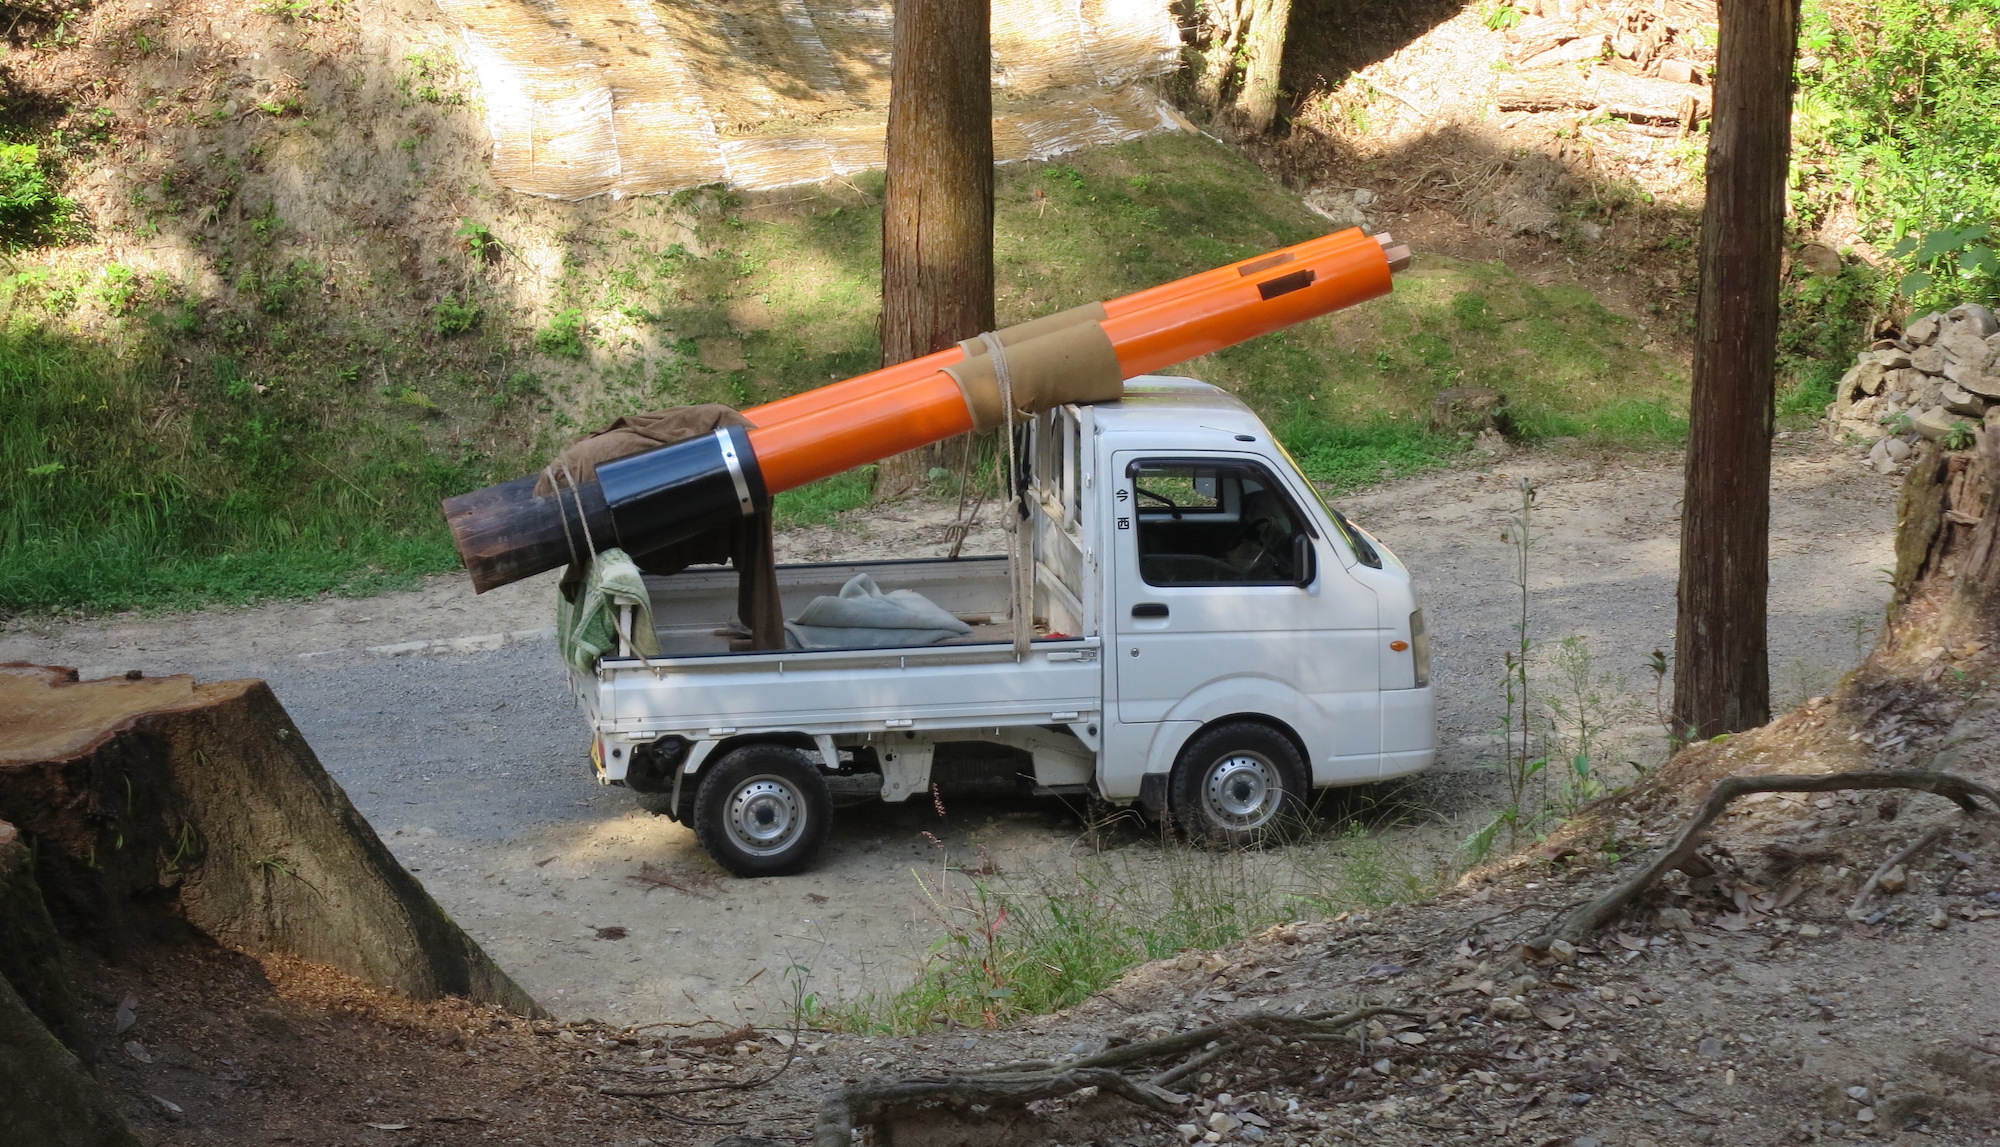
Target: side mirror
pixel 1304 559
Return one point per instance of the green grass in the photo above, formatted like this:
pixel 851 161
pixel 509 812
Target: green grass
pixel 820 502
pixel 1350 456
pixel 1631 422
pixel 112 498
pixel 1050 938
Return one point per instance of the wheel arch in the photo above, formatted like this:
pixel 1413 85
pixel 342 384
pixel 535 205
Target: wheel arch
pixel 1282 728
pixel 1255 697
pixel 724 746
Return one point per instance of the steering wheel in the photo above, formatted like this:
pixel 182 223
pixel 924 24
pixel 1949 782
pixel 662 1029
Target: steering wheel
pixel 1269 535
pixel 1169 503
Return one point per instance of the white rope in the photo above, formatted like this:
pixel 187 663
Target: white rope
pixel 562 510
pixel 581 517
pixel 1020 551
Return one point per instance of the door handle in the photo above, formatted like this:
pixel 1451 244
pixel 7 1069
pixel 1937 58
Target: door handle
pixel 1150 609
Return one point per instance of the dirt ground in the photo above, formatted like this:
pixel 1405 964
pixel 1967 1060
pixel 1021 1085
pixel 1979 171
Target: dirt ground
pixel 446 718
pixel 1746 1007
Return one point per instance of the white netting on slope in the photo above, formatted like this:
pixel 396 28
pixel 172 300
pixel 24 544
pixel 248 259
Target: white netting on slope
pixel 629 97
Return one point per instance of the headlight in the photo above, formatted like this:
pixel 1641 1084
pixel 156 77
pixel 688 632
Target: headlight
pixel 1420 648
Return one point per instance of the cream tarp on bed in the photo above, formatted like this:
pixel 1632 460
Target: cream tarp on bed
pixel 628 97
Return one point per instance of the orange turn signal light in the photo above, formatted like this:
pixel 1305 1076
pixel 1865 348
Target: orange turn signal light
pixel 1399 646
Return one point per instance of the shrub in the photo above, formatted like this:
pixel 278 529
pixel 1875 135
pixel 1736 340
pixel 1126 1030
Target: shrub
pixel 29 205
pixel 1899 107
pixel 563 337
pixel 453 316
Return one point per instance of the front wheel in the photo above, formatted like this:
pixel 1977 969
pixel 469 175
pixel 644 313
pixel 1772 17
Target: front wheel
pixel 762 810
pixel 1237 785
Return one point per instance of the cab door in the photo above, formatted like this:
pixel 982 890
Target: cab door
pixel 1227 599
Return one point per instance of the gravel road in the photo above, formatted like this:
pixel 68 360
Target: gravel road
pixel 447 720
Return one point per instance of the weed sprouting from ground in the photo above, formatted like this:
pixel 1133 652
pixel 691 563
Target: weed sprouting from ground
pixel 563 337
pixel 1559 708
pixel 452 315
pixel 1520 764
pixel 1583 704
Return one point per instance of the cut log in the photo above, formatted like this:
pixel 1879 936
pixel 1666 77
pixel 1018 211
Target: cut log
pixel 1538 34
pixel 1636 98
pixel 156 804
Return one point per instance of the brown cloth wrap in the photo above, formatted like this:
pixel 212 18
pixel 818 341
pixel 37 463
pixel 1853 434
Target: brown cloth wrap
pixel 1065 357
pixel 745 544
pixel 635 434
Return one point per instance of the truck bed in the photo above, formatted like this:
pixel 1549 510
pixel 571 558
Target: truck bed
pixel 698 687
pixel 692 610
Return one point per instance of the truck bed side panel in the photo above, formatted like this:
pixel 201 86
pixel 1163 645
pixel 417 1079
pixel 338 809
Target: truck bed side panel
pixel 937 687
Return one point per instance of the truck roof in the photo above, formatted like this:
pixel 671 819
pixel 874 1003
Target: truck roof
pixel 1155 403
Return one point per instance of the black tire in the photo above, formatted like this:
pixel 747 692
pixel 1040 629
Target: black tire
pixel 662 804
pixel 762 810
pixel 1238 785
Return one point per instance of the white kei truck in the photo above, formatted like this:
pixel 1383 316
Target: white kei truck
pixel 1210 641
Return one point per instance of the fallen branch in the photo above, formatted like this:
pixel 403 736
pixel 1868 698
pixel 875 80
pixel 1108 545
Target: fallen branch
pixel 653 878
pixel 1014 1084
pixel 1583 919
pixel 1637 98
pixel 1857 910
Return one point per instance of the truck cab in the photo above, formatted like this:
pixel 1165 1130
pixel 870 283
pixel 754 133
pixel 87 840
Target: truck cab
pixel 1203 636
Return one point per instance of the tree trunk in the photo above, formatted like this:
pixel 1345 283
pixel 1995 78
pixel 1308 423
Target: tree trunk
pixel 1721 671
pixel 1947 581
pixel 1255 107
pixel 937 209
pixel 1218 59
pixel 156 804
pixel 47 1094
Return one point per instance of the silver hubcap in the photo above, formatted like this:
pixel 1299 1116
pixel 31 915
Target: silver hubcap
pixel 1242 792
pixel 766 814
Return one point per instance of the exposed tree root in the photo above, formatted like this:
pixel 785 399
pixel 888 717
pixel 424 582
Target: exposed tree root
pixel 1014 1084
pixel 1583 919
pixel 1859 908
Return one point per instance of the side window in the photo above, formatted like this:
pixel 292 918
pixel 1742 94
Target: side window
pixel 1213 524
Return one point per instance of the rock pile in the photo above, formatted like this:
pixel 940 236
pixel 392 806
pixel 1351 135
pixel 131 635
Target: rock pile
pixel 1940 376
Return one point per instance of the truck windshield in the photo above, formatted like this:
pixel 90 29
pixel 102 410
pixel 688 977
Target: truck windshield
pixel 1364 550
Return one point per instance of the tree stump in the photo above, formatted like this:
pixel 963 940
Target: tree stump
pixel 155 805
pixel 47 1095
pixel 1947 580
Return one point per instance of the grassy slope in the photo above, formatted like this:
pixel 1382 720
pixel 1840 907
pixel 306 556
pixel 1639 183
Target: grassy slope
pixel 188 453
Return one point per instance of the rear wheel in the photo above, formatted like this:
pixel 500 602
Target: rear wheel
pixel 1236 785
pixel 763 810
